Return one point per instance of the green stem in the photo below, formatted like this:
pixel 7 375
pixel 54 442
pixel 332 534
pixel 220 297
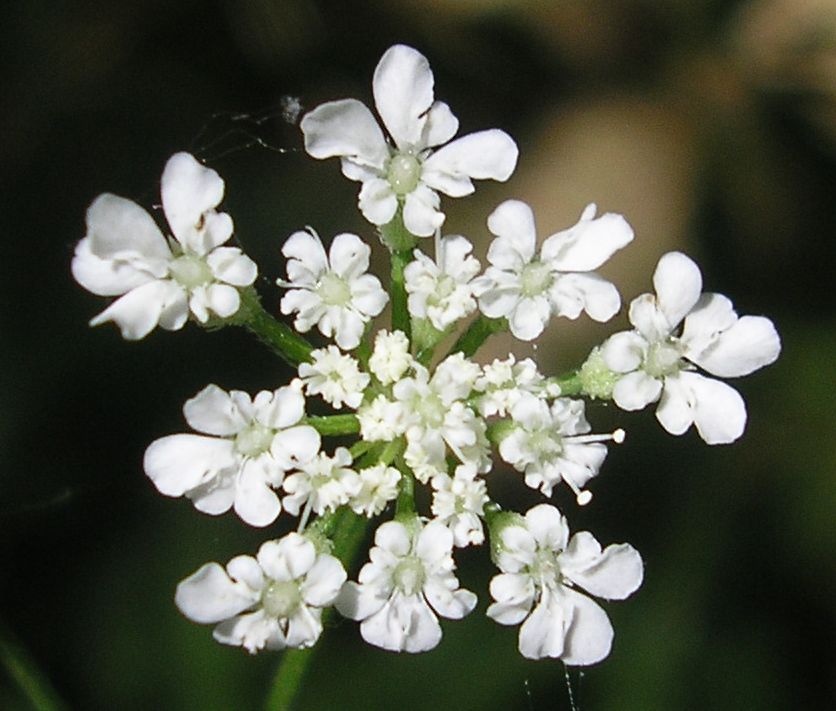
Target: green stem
pixel 24 671
pixel 277 336
pixel 570 384
pixel 477 333
pixel 349 531
pixel 334 425
pixel 400 312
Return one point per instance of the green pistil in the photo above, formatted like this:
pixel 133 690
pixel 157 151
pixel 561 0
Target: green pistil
pixel 403 173
pixel 190 271
pixel 281 598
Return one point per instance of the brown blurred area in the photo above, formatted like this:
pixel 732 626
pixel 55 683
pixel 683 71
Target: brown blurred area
pixel 710 124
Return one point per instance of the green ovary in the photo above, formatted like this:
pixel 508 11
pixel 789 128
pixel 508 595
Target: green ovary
pixel 403 173
pixel 190 271
pixel 281 598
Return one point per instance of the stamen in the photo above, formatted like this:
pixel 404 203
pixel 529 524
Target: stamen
pixel 581 496
pixel 616 436
pixel 306 512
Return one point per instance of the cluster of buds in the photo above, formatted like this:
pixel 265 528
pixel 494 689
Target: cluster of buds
pixel 408 412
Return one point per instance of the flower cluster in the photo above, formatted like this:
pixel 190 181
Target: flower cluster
pixel 409 413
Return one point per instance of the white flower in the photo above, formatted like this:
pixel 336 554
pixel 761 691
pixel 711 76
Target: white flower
pixel 551 444
pixel 408 580
pixel 659 365
pixel 379 486
pixel 504 381
pixel 332 292
pixel 528 289
pixel 458 503
pixel 125 254
pixel 390 358
pixel 252 444
pixel 335 376
pixel 435 417
pixel 272 601
pixel 381 420
pixel 541 568
pixel 406 171
pixel 323 483
pixel 440 290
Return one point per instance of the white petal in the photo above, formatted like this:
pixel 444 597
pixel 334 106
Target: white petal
pixel 484 155
pixel 393 537
pixel 440 125
pixel 452 604
pixel 255 502
pixel 649 319
pixel 636 390
pixel 588 244
pixel 514 595
pixel 245 568
pixel 306 258
pixel 435 543
pixel 590 634
pixel 377 201
pixel 209 596
pixel 181 462
pixel 676 406
pixel 403 624
pixel 751 343
pixel 624 351
pixel 513 222
pixel 403 92
pixel 548 527
pixel 295 446
pixel 214 412
pixel 188 189
pixel 280 409
pixel 345 128
pixel 105 277
pixel 357 602
pixel 137 312
pixel 529 318
pixel 572 293
pixel 288 558
pixel 349 256
pixel 719 411
pixel 323 581
pixel 229 265
pixel 420 212
pixel 613 574
pixel 678 285
pixel 222 299
pixel 543 633
pixel 712 314
pixel 120 229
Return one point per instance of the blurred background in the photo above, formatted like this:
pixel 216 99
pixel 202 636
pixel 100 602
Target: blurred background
pixel 710 124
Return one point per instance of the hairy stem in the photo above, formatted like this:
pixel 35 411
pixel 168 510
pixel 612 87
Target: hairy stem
pixel 277 336
pixel 477 333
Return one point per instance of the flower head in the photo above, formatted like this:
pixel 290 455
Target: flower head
pixel 335 376
pixel 528 289
pixel 159 281
pixel 458 503
pixel 332 292
pixel 409 169
pixel 441 290
pixel 408 581
pixel 272 601
pixel 323 483
pixel 247 447
pixel 541 569
pixel 657 364
pixel 552 444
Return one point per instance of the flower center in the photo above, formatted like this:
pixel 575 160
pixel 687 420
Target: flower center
pixel 536 277
pixel 333 290
pixel 281 598
pixel 545 568
pixel 430 408
pixel 545 443
pixel 254 440
pixel 445 286
pixel 409 575
pixel 662 359
pixel 190 271
pixel 403 173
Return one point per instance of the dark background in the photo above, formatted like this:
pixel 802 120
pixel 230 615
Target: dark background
pixel 710 125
